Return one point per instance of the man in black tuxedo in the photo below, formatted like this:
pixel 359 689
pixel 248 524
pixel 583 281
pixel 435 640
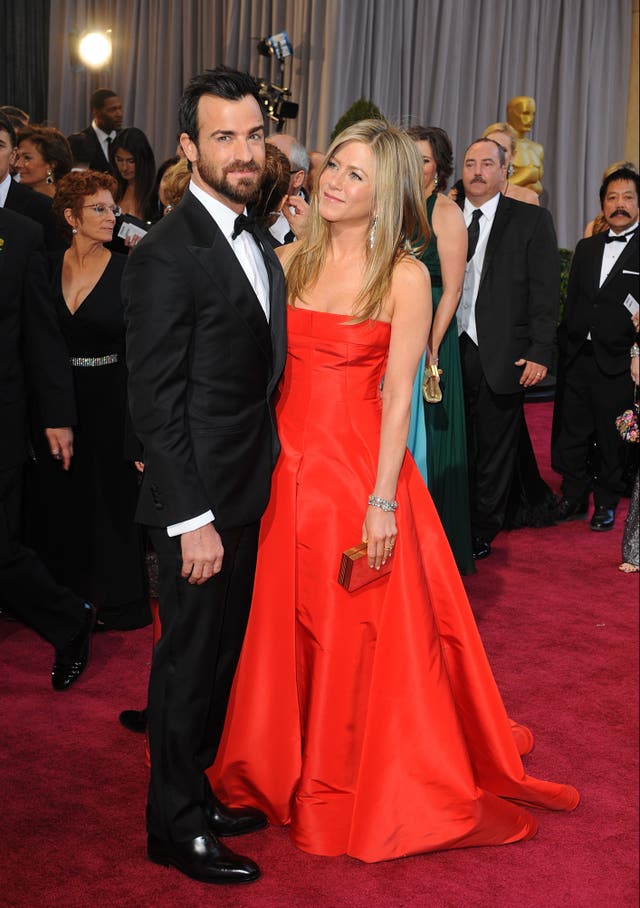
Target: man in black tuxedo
pixel 596 334
pixel 205 310
pixel 506 322
pixel 34 360
pixel 90 146
pixel 22 199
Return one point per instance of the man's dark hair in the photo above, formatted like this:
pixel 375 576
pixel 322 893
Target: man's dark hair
pixel 501 152
pixel 441 148
pixel 7 126
pixel 222 82
pixel 624 173
pixel 99 97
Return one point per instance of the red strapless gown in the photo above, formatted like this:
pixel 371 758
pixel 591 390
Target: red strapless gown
pixel 370 722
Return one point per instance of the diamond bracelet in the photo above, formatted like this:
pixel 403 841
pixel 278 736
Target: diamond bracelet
pixel 383 503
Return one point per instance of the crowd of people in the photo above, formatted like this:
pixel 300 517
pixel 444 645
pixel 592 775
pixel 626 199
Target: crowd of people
pixel 226 358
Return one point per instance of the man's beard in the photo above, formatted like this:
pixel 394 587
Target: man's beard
pixel 242 192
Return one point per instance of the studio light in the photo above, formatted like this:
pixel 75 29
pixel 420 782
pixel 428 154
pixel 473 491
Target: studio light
pixel 91 49
pixel 275 96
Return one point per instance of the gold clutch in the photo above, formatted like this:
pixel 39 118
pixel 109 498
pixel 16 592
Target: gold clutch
pixel 431 390
pixel 355 571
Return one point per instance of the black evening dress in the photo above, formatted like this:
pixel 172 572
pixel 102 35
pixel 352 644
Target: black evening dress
pixel 81 522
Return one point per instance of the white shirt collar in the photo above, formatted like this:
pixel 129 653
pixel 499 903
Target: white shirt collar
pixel 4 189
pixel 487 208
pixel 626 233
pixel 101 134
pixel 224 216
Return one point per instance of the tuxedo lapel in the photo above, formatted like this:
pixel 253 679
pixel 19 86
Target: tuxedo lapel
pixel 213 253
pixel 277 321
pixel 500 221
pixel 628 253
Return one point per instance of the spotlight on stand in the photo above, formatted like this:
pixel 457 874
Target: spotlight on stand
pixel 273 96
pixel 90 49
pixel 274 99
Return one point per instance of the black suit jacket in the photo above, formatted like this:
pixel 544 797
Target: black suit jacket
pixel 33 355
pixel 86 149
pixel 203 365
pixel 37 206
pixel 518 296
pixel 600 310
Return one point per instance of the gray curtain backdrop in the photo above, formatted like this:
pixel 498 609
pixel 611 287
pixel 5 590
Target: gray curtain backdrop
pixel 450 63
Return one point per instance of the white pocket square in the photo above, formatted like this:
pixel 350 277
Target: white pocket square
pixel 624 271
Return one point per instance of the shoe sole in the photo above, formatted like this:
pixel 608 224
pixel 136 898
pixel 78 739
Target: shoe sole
pixel 602 529
pixel 224 881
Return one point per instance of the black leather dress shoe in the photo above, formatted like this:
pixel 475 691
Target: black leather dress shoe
pixel 481 548
pixel 203 859
pixel 134 720
pixel 229 821
pixel 71 660
pixel 570 509
pixel 603 518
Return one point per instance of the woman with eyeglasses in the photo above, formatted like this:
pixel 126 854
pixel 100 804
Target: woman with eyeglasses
pixel 82 521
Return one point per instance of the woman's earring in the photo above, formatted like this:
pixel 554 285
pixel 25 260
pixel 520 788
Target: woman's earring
pixel 509 171
pixel 372 232
pixel 74 230
pixel 435 181
pixel 49 178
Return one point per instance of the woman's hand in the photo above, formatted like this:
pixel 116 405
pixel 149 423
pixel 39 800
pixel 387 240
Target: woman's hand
pixel 297 219
pixel 379 531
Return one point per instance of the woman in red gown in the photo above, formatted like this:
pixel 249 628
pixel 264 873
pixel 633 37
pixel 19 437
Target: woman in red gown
pixel 370 722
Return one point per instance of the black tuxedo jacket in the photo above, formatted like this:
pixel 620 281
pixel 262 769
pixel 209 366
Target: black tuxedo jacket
pixel 33 355
pixel 37 206
pixel 517 301
pixel 87 149
pixel 203 365
pixel 600 310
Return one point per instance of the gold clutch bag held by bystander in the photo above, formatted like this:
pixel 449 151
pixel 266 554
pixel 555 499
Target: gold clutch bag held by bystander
pixel 354 570
pixel 431 390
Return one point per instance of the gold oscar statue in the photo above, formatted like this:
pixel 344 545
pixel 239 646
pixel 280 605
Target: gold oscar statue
pixel 527 161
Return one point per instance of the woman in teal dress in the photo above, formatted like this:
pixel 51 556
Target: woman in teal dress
pixel 437 436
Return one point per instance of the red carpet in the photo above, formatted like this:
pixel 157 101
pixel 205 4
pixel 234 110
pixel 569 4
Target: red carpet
pixel 560 625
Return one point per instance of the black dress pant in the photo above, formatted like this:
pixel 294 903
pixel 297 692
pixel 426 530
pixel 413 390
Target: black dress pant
pixel 27 589
pixel 192 672
pixel 493 428
pixel 591 402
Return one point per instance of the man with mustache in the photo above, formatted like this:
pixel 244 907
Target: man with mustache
pixel 204 296
pixel 506 322
pixel 595 337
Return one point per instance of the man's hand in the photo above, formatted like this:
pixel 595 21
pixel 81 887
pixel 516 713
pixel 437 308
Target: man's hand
pixel 61 444
pixel 202 554
pixel 532 372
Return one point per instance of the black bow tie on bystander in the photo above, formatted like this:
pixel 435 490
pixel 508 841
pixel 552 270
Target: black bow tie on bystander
pixel 621 238
pixel 242 222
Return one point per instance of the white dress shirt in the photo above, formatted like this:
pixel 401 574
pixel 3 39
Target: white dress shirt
pixel 102 137
pixel 613 251
pixel 4 189
pixel 466 313
pixel 250 258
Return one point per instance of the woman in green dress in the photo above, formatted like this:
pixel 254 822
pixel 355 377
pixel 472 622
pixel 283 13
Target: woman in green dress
pixel 440 427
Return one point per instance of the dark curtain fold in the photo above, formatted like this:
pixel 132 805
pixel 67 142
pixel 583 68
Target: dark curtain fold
pixel 24 61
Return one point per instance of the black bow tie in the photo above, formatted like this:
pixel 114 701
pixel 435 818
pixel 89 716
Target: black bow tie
pixel 620 238
pixel 242 222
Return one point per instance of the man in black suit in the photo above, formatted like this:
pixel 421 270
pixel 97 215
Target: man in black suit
pixel 90 146
pixel 506 322
pixel 33 358
pixel 205 349
pixel 22 199
pixel 596 334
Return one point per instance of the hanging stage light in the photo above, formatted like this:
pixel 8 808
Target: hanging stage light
pixel 275 97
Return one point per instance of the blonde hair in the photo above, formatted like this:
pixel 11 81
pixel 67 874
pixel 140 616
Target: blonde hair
pixel 397 210
pixel 176 179
pixel 508 129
